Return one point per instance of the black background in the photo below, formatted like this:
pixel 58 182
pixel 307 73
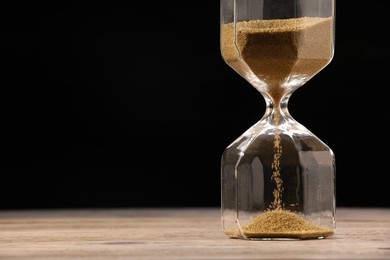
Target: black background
pixel 132 105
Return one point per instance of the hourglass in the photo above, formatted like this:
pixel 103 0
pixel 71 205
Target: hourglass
pixel 277 178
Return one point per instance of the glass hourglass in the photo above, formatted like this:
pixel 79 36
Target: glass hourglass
pixel 277 178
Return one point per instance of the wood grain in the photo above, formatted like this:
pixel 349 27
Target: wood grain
pixel 190 233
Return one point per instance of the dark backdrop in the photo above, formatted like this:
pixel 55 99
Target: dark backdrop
pixel 132 105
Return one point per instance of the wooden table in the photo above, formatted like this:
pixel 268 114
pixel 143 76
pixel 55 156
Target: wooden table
pixel 192 233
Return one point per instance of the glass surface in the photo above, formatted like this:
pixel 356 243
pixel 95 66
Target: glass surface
pixel 277 178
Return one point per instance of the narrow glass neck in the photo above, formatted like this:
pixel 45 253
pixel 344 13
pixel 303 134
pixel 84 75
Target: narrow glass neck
pixel 277 111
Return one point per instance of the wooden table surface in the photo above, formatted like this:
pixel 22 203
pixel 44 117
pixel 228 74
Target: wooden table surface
pixel 169 233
